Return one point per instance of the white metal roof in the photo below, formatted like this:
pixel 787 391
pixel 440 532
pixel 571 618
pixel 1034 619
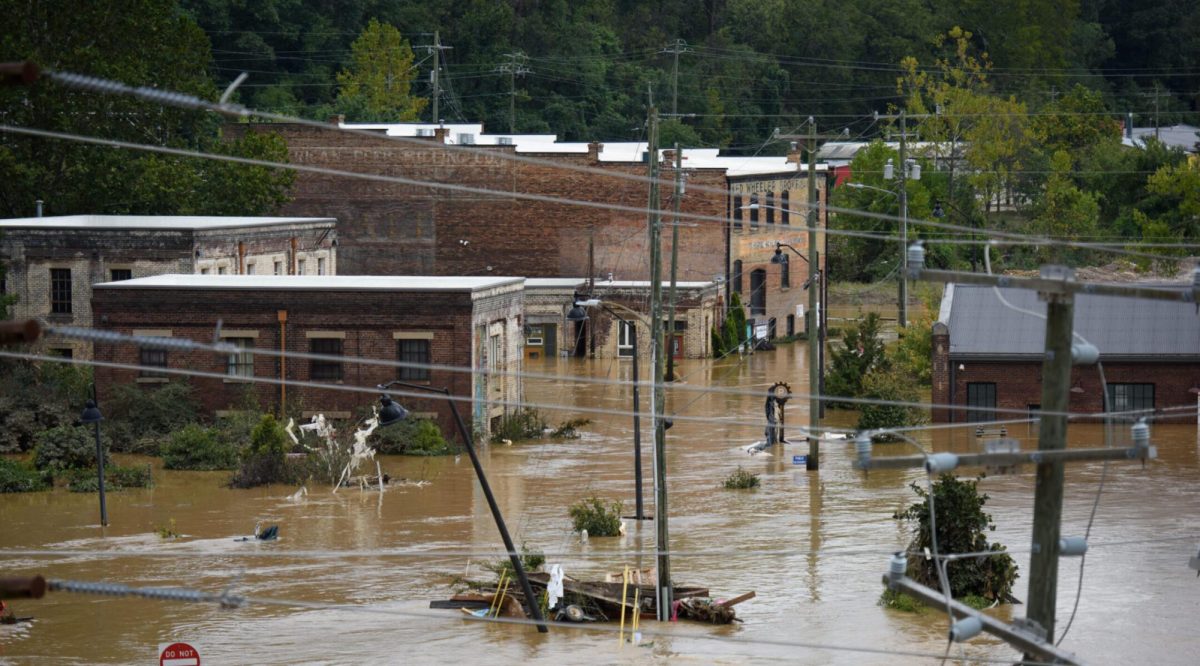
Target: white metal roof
pixel 553 283
pixel 158 222
pixel 645 284
pixel 316 282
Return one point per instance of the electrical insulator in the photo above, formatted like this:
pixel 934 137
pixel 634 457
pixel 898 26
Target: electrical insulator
pixel 1074 546
pixel 889 171
pixel 1141 434
pixel 862 446
pixel 916 256
pixel 940 462
pixel 914 170
pixel 898 566
pixel 966 629
pixel 1083 353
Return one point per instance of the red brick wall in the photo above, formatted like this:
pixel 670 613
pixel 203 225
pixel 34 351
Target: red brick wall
pixel 367 318
pixel 1018 385
pixel 386 228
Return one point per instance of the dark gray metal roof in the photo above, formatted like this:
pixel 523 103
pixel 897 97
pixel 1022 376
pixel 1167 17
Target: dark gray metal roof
pixel 982 327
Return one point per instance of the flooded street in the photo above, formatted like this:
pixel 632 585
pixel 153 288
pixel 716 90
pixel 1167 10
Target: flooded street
pixel 812 545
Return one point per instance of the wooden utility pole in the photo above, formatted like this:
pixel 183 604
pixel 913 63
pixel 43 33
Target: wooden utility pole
pixel 813 462
pixel 670 375
pixel 902 313
pixel 514 67
pixel 1052 436
pixel 676 47
pixel 436 49
pixel 662 540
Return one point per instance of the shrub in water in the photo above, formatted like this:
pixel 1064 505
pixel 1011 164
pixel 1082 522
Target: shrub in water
pixel 17 477
pixel 569 429
pixel 521 424
pixel 411 437
pixel 530 560
pixel 37 396
pixel 741 479
pixel 116 477
pixel 265 459
pixel 68 447
pixel 592 515
pixel 141 418
pixel 198 448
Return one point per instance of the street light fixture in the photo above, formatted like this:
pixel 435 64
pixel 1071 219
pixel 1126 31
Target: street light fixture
pixel 390 412
pixel 91 415
pixel 578 313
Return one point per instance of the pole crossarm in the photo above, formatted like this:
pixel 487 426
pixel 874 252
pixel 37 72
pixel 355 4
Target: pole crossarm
pixel 1056 286
pixel 1022 457
pixel 1022 639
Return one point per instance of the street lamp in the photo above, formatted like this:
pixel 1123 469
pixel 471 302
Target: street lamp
pixel 390 412
pixel 91 414
pixel 578 313
pixel 912 169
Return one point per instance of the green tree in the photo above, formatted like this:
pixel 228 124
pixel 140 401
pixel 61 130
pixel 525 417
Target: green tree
pixel 378 84
pixel 1065 211
pixel 139 42
pixel 889 386
pixel 862 352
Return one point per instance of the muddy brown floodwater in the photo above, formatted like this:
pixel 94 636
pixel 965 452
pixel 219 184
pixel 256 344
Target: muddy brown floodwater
pixel 812 545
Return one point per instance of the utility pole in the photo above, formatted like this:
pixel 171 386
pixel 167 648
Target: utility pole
pixel 670 376
pixel 1052 436
pixel 514 67
pixel 675 48
pixel 902 314
pixel 436 49
pixel 662 540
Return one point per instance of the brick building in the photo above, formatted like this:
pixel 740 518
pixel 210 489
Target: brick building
pixel 410 229
pixel 547 332
pixel 472 323
pixel 52 262
pixel 987 356
pixel 766 208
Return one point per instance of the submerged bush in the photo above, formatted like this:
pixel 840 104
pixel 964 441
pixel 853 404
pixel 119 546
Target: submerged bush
pixel 741 479
pixel 198 448
pixel 18 477
pixel 265 460
pixel 68 447
pixel 116 477
pixel 141 419
pixel 518 425
pixel 592 515
pixel 411 437
pixel 38 396
pixel 531 560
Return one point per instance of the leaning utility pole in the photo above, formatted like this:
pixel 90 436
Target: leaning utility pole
pixel 676 47
pixel 662 540
pixel 670 376
pixel 514 67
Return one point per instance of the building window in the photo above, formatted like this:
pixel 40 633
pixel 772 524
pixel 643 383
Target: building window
pixel 250 268
pixel 320 266
pixel 772 331
pixel 300 267
pixel 758 292
pixel 279 268
pixel 785 273
pixel 625 338
pixel 783 203
pixel 753 211
pixel 220 270
pixel 62 352
pixel 413 351
pixel 149 359
pixel 769 208
pixel 241 362
pixel 204 271
pixel 737 276
pixel 791 325
pixel 119 274
pixel 323 370
pixel 1130 397
pixel 737 212
pixel 60 290
pixel 981 401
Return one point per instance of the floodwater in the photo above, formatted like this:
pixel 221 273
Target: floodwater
pixel 812 545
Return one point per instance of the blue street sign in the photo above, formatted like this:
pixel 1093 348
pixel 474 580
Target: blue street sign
pixel 799 460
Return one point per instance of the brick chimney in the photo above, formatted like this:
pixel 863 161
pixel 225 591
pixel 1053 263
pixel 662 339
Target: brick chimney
pixel 794 155
pixel 594 150
pixel 439 135
pixel 337 119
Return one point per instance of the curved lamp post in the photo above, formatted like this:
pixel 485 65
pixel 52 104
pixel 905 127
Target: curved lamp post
pixel 391 412
pixel 577 313
pixel 91 415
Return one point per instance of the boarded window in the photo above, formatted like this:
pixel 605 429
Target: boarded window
pixel 981 401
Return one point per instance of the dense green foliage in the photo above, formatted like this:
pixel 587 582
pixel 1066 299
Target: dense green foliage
pixel 598 518
pixel 861 352
pixel 730 333
pixel 265 460
pixel 141 42
pixel 37 396
pixel 521 424
pixel 68 447
pixel 18 477
pixel 411 437
pixel 199 448
pixel 891 385
pixel 116 477
pixel 141 420
pixel 962 527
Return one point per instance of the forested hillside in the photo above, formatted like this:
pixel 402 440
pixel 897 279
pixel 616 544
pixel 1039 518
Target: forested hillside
pixel 744 66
